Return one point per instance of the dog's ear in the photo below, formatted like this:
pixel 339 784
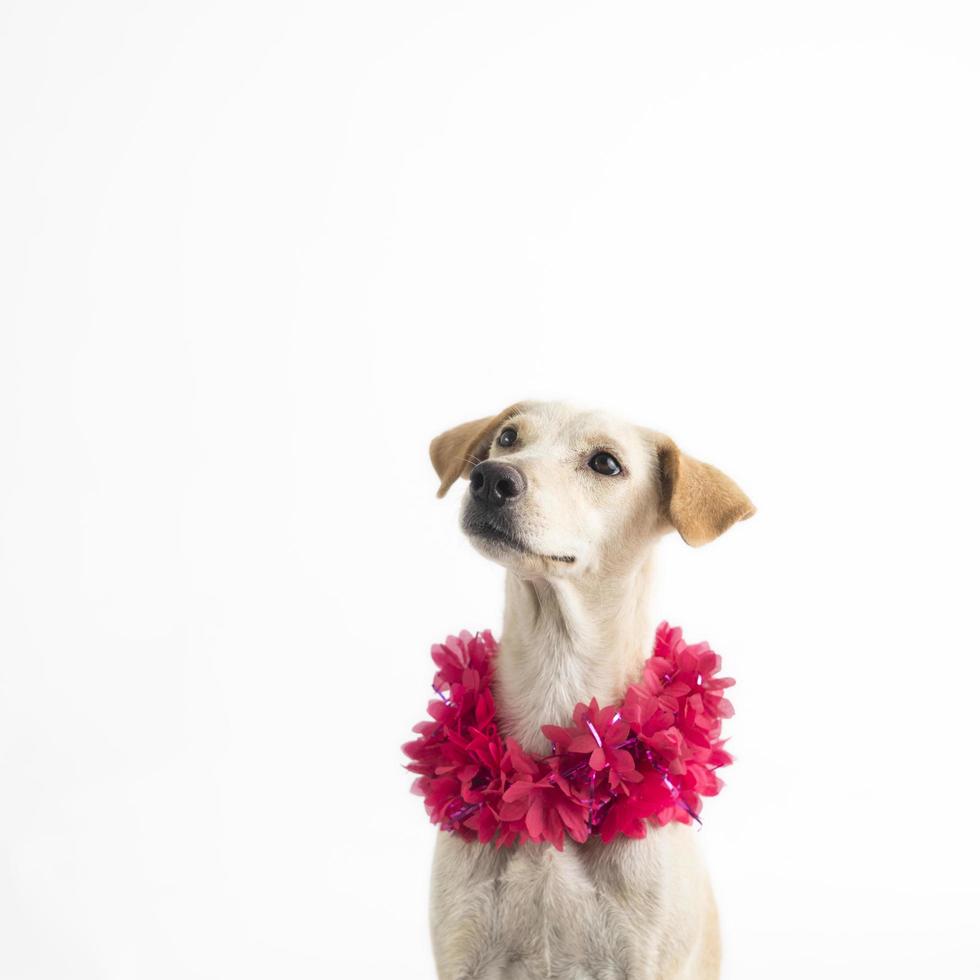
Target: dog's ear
pixel 699 500
pixel 457 451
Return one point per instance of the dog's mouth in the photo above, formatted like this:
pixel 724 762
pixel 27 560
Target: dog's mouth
pixel 491 532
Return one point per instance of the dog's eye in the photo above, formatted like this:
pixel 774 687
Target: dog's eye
pixel 605 464
pixel 508 437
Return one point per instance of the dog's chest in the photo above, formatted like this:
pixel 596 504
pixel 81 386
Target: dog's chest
pixel 592 912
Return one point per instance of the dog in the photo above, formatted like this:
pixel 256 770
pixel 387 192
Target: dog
pixel 571 503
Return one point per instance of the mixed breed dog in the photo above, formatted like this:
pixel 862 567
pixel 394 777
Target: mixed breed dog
pixel 571 503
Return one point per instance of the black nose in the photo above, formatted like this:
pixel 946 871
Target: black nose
pixel 496 483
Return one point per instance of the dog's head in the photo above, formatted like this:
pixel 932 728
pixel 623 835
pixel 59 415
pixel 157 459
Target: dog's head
pixel 557 491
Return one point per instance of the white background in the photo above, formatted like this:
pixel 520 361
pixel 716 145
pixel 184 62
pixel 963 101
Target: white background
pixel 254 256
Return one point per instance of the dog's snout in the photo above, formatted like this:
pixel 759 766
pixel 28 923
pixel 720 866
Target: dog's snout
pixel 496 483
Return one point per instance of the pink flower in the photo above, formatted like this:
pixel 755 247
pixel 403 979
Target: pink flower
pixel 614 770
pixel 538 805
pixel 601 734
pixel 629 815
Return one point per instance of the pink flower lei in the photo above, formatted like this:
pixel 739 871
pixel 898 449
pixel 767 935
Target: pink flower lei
pixel 612 771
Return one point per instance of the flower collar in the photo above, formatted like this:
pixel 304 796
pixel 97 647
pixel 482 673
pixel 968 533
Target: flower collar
pixel 613 771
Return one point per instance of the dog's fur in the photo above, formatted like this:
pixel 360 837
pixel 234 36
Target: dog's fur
pixel 577 547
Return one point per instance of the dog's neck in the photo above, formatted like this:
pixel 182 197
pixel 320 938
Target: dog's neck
pixel 566 641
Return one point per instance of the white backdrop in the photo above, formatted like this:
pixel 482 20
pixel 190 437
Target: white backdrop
pixel 254 256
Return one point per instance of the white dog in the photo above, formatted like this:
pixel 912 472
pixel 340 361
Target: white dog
pixel 571 503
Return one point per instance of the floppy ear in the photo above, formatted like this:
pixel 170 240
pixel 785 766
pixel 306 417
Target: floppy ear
pixel 457 451
pixel 697 499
